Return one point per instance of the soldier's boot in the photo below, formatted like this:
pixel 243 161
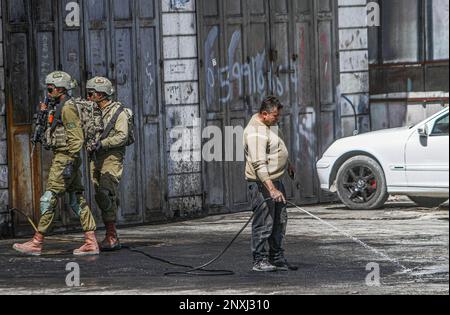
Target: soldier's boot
pixel 90 247
pixel 111 241
pixel 33 247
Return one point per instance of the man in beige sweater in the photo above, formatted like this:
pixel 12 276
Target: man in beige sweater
pixel 267 159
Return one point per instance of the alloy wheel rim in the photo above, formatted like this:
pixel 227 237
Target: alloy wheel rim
pixel 360 184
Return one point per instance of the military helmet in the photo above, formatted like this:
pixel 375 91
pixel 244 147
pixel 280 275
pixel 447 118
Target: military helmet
pixel 101 85
pixel 61 79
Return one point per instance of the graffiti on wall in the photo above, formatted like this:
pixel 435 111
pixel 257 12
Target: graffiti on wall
pixel 262 79
pixel 179 4
pixel 45 60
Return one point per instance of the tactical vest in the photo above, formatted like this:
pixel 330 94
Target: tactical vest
pixel 91 122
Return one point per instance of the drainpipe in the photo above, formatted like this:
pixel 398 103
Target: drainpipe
pixel 355 115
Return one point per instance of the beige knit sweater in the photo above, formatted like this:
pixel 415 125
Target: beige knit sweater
pixel 265 151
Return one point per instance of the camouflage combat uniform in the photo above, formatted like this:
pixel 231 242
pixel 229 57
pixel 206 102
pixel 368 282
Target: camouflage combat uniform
pixel 65 136
pixel 107 167
pixel 66 140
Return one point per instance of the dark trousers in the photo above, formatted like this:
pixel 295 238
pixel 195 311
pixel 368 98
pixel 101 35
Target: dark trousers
pixel 269 224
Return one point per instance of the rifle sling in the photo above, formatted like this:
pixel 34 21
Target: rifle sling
pixel 58 119
pixel 112 123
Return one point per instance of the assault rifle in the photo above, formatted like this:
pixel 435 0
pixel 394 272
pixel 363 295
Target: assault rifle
pixel 41 120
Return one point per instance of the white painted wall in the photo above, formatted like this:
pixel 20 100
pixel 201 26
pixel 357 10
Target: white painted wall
pixel 181 89
pixel 354 64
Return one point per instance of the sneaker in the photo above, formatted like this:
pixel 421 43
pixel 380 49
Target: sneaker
pixel 264 266
pixel 283 265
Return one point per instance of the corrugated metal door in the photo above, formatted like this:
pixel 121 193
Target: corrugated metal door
pixel 119 39
pixel 18 35
pixel 314 73
pixel 122 43
pixel 33 50
pixel 253 48
pixel 327 81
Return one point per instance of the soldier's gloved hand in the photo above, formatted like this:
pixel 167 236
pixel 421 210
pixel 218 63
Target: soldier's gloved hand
pixel 68 170
pixel 43 107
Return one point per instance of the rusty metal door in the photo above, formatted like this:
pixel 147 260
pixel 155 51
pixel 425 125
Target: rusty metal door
pixel 119 39
pixel 33 49
pixel 22 176
pixel 250 49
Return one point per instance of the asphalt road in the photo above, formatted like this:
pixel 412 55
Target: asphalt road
pixel 329 263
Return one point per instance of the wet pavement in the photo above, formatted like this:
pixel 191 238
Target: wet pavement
pixel 329 263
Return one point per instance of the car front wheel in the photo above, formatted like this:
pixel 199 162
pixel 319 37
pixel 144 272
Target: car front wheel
pixel 361 184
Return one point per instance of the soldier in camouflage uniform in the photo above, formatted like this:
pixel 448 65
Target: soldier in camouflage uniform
pixel 107 167
pixel 64 136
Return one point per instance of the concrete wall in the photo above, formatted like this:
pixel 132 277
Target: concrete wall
pixel 354 64
pixel 387 112
pixel 4 194
pixel 407 94
pixel 181 89
pixel 373 112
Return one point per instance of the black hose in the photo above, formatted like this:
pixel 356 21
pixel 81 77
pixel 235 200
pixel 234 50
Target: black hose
pixel 12 210
pixel 200 270
pixel 192 271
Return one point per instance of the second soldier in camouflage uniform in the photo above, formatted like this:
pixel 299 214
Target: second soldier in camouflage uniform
pixel 107 166
pixel 64 136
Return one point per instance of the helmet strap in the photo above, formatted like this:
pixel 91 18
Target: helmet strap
pixel 59 97
pixel 104 102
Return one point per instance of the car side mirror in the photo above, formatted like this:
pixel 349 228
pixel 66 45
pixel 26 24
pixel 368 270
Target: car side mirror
pixel 423 131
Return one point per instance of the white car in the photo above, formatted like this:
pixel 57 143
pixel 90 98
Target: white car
pixel 413 161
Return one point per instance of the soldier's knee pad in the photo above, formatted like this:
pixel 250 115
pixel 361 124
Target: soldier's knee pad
pixel 103 199
pixel 108 182
pixel 48 202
